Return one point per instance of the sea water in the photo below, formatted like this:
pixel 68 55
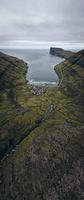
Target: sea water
pixel 40 65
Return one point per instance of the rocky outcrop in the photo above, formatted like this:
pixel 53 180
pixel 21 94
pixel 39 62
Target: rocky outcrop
pixel 60 52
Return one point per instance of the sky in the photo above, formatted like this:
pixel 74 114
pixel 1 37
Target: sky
pixel 41 23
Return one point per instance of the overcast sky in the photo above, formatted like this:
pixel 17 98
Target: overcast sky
pixel 30 23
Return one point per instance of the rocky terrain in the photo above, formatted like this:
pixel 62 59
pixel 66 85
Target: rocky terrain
pixel 60 52
pixel 42 137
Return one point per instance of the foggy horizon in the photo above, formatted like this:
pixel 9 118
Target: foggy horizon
pixel 41 45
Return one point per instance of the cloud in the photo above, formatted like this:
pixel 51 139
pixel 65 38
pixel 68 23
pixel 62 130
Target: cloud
pixel 56 20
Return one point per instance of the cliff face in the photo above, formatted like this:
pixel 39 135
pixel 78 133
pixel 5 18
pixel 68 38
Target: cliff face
pixel 41 137
pixel 60 52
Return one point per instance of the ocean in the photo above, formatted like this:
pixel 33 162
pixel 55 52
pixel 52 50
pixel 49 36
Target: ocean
pixel 40 65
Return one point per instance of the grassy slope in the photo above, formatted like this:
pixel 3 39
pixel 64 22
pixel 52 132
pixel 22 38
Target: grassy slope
pixel 19 109
pixel 48 163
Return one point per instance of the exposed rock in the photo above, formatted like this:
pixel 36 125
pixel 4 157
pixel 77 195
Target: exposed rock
pixel 60 52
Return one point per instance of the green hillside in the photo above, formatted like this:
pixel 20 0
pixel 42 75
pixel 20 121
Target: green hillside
pixel 41 137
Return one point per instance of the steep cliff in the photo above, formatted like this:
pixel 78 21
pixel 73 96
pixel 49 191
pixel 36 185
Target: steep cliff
pixel 60 52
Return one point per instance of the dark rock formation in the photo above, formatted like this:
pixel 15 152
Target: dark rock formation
pixel 60 52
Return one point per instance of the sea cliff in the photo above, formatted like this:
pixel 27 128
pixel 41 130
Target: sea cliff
pixel 60 52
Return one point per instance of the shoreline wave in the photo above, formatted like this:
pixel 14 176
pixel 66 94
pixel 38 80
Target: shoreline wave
pixel 42 83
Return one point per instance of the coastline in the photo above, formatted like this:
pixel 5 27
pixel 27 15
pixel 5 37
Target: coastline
pixel 41 139
pixel 39 88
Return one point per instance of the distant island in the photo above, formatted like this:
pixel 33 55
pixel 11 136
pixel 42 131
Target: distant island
pixel 42 137
pixel 60 52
